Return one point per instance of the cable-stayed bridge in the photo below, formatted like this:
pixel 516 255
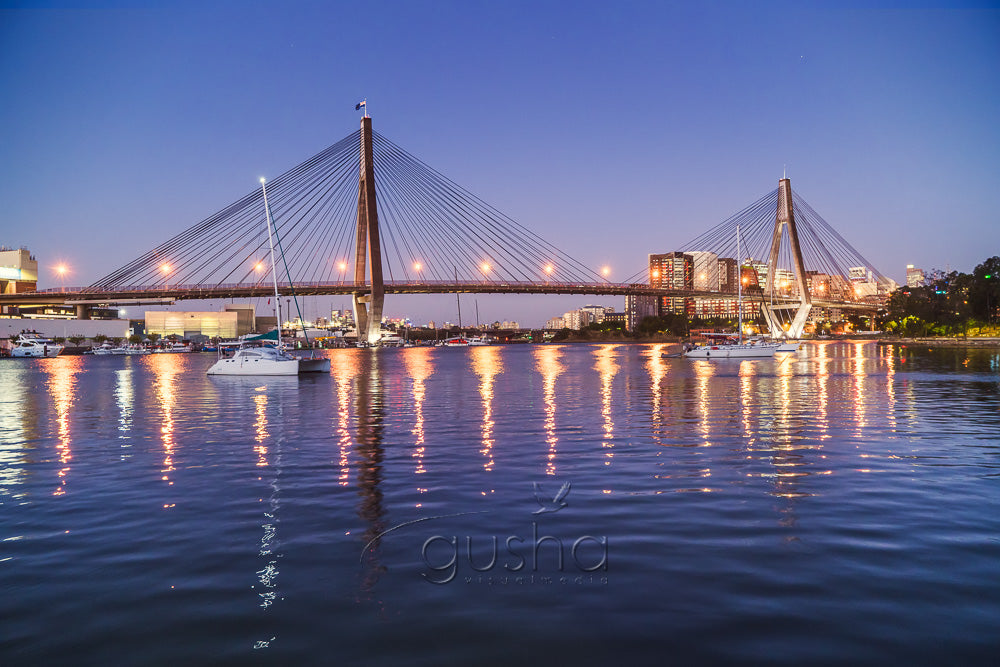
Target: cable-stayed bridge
pixel 366 218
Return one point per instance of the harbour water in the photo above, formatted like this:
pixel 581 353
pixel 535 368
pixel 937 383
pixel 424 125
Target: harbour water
pixel 837 506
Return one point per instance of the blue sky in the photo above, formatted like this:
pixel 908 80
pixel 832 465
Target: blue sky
pixel 611 129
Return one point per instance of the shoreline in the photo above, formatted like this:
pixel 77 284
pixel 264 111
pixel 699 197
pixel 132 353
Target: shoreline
pixel 942 342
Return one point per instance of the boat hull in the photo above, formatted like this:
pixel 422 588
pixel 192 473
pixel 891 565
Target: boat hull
pixel 254 367
pixel 318 365
pixel 733 351
pixel 37 353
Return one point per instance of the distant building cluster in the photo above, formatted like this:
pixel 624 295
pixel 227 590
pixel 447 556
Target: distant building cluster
pixel 578 319
pixel 702 271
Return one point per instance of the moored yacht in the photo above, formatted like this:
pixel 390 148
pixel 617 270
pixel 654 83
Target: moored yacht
pixel 32 344
pixel 254 360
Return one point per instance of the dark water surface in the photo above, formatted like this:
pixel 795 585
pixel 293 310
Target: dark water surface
pixel 841 506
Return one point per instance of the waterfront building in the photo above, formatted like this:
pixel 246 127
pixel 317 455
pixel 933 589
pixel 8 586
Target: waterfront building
pixel 637 308
pixel 914 276
pixel 728 275
pixel 859 274
pixel 555 323
pixel 704 271
pixel 724 308
pixel 597 313
pixel 232 322
pixel 675 270
pixel 577 319
pixel 618 318
pixel 18 271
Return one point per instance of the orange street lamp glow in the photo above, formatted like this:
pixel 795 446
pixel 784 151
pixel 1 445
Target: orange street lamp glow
pixel 259 266
pixel 417 266
pixel 342 266
pixel 61 270
pixel 549 269
pixel 485 267
pixel 655 273
pixel 165 268
pixel 605 271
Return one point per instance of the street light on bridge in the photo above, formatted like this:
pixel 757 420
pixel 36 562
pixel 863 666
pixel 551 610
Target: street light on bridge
pixel 165 268
pixel 343 269
pixel 606 271
pixel 61 269
pixel 417 266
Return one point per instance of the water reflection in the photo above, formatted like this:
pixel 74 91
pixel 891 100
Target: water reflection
pixel 15 409
pixel 607 367
pixel 370 414
pixel 260 427
pixel 343 368
pixel 747 372
pixel 61 373
pixel 822 365
pixel 124 399
pixel 486 364
pixel 165 368
pixel 268 574
pixel 547 363
pixel 703 371
pixel 419 366
pixel 657 370
pixel 858 371
pixel 890 384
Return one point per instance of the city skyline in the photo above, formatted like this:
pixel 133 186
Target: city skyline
pixel 131 124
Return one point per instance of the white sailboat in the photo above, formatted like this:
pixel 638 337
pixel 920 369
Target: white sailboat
pixel 258 359
pixel 739 349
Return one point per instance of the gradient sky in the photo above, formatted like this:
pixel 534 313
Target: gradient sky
pixel 613 129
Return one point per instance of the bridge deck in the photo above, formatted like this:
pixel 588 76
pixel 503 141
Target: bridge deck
pixel 159 294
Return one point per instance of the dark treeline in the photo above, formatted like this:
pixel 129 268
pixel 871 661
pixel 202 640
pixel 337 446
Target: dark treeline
pixel 948 304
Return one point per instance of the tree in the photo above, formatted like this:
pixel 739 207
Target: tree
pixel 58 340
pixel 135 339
pixel 153 337
pixel 984 290
pixel 76 340
pixel 99 339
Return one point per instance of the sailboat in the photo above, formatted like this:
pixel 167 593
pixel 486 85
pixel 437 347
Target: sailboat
pixel 736 349
pixel 264 354
pixel 312 363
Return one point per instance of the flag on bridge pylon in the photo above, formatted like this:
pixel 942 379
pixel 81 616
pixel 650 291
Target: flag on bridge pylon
pixel 362 103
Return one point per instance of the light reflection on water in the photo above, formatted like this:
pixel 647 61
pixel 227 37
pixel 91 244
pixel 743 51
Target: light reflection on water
pixel 547 362
pixel 795 502
pixel 606 366
pixel 486 364
pixel 62 387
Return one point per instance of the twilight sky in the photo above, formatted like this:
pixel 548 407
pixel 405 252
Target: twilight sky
pixel 613 129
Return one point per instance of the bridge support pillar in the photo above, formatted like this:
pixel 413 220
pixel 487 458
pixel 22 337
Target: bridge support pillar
pixel 368 251
pixel 785 219
pixel 82 311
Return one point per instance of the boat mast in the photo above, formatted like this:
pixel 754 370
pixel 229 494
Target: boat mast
pixel 274 270
pixel 739 283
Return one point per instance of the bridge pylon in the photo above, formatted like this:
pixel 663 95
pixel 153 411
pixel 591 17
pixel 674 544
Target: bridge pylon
pixel 368 251
pixel 785 220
